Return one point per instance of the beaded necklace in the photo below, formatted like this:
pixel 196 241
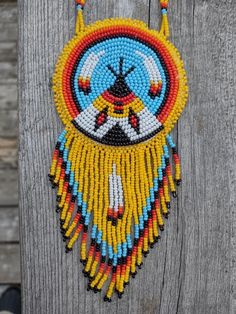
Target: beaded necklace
pixel 119 88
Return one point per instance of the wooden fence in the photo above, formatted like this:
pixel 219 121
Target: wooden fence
pixel 9 222
pixel 192 270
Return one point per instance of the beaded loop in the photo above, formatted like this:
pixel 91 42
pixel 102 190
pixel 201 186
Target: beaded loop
pixel 79 27
pixel 164 23
pixel 119 88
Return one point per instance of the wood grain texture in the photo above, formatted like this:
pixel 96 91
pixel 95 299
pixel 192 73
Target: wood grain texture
pixel 8 187
pixel 9 263
pixel 8 96
pixel 8 88
pixel 9 224
pixel 8 153
pixel 8 123
pixel 193 269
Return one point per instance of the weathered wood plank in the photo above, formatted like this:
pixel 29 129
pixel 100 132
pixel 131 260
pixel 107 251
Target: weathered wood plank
pixel 8 72
pixel 203 222
pixel 8 21
pixel 8 153
pixel 8 51
pixel 8 187
pixel 9 263
pixel 8 11
pixel 190 271
pixel 9 224
pixel 8 97
pixel 207 128
pixel 8 32
pixel 8 123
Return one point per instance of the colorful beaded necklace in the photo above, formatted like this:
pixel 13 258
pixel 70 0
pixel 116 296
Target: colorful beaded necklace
pixel 119 88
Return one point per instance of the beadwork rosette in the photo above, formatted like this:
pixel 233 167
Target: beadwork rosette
pixel 119 89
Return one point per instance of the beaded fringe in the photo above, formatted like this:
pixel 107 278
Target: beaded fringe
pixel 113 199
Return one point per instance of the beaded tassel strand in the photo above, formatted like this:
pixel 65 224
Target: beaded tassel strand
pixel 142 187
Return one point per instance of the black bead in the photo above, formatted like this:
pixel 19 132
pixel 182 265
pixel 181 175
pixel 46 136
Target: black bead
pixel 65 238
pixel 140 266
pixel 145 253
pixel 79 209
pixel 58 144
pixel 89 287
pixel 58 198
pixel 63 231
pixel 134 274
pixel 114 222
pixel 135 242
pixel 120 295
pixel 161 227
pixel 178 182
pixel 106 299
pixel 83 261
pixel 174 150
pixel 168 205
pixel 81 220
pixel 174 194
pixel 166 215
pixel 91 278
pixel 120 216
pixel 85 273
pixel 68 249
pixel 152 245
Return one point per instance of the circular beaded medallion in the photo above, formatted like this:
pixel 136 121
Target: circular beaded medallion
pixel 120 83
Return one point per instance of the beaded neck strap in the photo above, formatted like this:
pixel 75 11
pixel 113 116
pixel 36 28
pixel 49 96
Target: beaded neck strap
pixel 119 89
